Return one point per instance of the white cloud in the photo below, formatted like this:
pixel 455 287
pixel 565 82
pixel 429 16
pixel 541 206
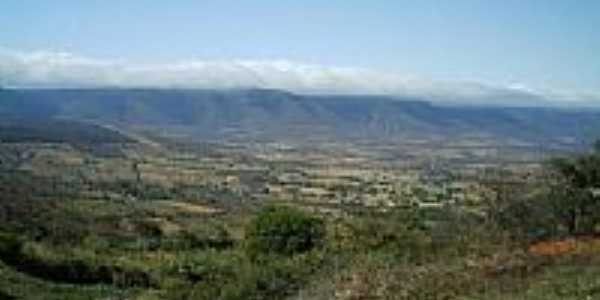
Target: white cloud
pixel 59 69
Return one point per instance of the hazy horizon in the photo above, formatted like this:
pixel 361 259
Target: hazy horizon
pixel 470 50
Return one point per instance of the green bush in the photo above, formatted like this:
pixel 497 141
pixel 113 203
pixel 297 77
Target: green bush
pixel 574 197
pixel 206 236
pixel 4 296
pixel 563 201
pixel 231 275
pixel 284 231
pixel 10 247
pixel 39 261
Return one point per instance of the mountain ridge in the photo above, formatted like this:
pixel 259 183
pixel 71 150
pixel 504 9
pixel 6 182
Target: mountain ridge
pixel 277 114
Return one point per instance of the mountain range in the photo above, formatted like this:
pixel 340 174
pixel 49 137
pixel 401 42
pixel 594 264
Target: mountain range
pixel 276 114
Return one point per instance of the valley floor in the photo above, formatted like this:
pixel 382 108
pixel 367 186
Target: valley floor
pixel 166 221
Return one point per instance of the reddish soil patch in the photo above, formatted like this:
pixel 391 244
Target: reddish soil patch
pixel 554 248
pixel 579 245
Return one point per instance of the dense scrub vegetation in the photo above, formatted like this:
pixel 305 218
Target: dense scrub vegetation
pixel 37 260
pixel 282 230
pixel 565 201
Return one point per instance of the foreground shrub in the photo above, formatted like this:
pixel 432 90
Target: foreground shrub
pixel 563 201
pixel 208 235
pixel 284 231
pixel 39 261
pixel 231 275
pixel 4 296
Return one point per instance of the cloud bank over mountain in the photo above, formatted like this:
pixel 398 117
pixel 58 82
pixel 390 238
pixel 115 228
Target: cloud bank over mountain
pixel 66 70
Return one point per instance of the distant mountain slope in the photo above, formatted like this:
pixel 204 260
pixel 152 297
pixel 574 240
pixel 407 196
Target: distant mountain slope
pixel 274 114
pixel 34 130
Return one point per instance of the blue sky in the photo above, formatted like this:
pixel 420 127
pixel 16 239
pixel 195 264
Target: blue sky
pixel 535 44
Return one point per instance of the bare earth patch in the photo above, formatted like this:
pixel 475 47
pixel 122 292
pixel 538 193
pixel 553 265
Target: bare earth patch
pixel 579 245
pixel 189 207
